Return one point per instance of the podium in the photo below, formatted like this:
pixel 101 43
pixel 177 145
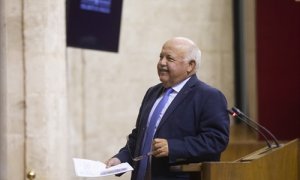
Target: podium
pixel 278 163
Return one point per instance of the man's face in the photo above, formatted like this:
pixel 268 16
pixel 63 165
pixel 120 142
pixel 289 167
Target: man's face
pixel 172 67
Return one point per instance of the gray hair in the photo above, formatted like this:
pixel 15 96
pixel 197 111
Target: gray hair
pixel 194 53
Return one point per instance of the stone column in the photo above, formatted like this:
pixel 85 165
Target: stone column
pixel 33 111
pixel 2 95
pixel 45 89
pixel 12 92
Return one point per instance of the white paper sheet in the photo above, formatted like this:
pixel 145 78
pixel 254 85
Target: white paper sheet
pixel 90 168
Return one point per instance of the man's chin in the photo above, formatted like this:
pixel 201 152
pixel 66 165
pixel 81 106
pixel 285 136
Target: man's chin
pixel 163 78
pixel 164 81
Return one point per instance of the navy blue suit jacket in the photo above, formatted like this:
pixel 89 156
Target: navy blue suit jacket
pixel 196 125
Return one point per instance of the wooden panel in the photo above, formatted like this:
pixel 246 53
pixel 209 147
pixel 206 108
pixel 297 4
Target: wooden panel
pixel 237 150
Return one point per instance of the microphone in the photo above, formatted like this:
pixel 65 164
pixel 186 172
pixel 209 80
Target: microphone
pixel 235 112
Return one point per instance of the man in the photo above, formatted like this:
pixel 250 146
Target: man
pixel 193 125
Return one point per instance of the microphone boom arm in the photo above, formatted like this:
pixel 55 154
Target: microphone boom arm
pixel 237 113
pixel 251 125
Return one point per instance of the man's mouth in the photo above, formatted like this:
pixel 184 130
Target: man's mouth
pixel 161 70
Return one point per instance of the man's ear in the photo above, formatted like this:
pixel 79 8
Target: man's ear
pixel 192 66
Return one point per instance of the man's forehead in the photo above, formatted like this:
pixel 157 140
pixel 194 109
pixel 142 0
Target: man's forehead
pixel 168 51
pixel 174 49
pixel 179 42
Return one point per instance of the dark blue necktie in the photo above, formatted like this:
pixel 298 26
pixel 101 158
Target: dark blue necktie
pixel 150 133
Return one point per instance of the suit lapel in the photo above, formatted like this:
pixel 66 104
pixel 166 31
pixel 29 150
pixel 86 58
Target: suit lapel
pixel 142 126
pixel 149 106
pixel 178 99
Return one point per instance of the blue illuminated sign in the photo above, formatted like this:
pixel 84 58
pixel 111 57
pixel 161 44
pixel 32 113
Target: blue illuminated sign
pixel 103 6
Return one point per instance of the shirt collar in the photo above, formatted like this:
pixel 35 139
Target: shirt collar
pixel 180 85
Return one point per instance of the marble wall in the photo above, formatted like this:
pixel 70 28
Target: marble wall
pixel 66 102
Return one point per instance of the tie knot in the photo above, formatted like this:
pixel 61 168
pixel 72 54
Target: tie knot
pixel 168 91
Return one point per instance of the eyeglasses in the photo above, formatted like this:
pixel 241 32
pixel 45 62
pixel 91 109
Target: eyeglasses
pixel 137 158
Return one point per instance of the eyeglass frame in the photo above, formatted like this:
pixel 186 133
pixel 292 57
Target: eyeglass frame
pixel 137 158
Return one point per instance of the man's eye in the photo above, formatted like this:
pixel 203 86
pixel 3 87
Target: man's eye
pixel 170 59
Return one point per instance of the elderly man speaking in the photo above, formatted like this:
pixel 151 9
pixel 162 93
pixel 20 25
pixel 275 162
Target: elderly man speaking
pixel 181 120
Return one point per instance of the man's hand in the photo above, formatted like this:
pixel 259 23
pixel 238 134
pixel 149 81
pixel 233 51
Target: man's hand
pixel 160 148
pixel 112 162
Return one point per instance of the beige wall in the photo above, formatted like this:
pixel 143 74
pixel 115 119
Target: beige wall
pixel 3 130
pixel 68 102
pixel 250 56
pixel 12 109
pixel 35 84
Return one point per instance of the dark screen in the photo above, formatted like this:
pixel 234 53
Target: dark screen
pixel 94 24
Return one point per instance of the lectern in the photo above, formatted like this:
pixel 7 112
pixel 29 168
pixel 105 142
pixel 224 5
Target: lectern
pixel 280 163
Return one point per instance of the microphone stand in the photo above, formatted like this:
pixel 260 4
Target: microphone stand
pixel 235 112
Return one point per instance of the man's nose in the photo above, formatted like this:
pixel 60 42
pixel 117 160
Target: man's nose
pixel 163 61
